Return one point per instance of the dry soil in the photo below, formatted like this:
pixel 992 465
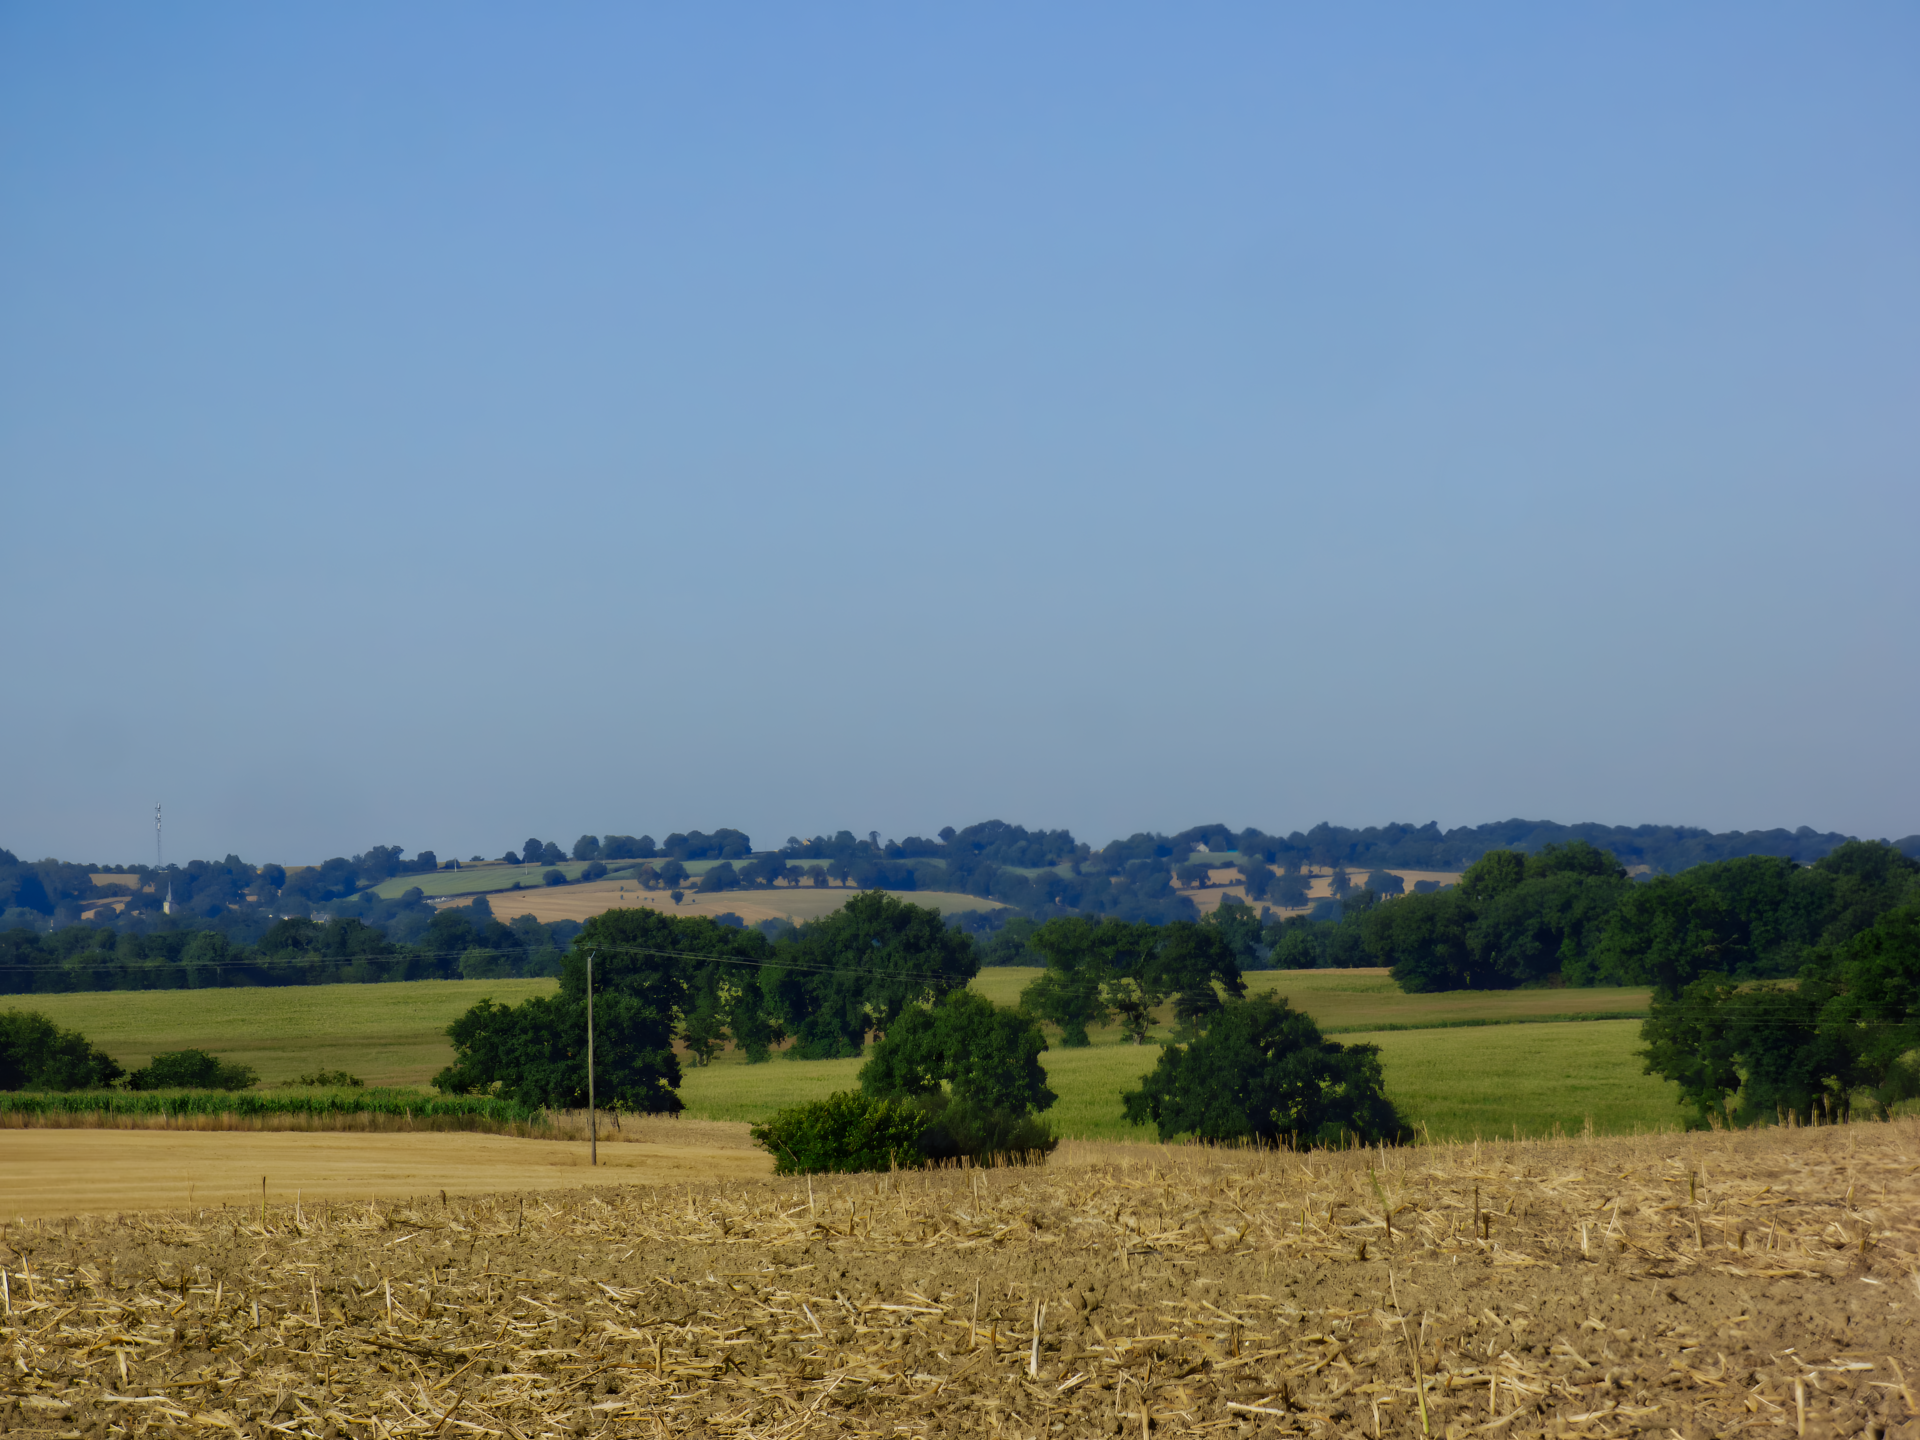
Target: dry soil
pixel 1670 1286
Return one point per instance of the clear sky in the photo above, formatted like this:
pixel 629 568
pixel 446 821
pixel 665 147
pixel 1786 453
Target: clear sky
pixel 435 424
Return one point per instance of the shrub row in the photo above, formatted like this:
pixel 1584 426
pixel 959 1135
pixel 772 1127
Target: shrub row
pixel 409 1104
pixel 850 1131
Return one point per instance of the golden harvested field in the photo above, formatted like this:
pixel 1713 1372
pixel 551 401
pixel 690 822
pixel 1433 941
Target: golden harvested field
pixel 1696 1286
pixel 104 1171
pixel 801 903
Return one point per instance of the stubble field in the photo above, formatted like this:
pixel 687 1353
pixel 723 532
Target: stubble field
pixel 108 1170
pixel 1698 1286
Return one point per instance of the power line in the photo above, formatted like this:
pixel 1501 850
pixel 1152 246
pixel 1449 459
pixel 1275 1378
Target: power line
pixel 175 966
pixel 303 958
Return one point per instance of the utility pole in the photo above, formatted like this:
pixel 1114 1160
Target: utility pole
pixel 160 863
pixel 593 1118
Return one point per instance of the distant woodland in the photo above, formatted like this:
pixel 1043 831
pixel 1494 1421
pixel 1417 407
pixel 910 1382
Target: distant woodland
pixel 1537 903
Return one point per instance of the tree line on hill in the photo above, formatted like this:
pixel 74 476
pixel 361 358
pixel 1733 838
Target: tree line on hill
pixel 459 942
pixel 1147 877
pixel 1571 915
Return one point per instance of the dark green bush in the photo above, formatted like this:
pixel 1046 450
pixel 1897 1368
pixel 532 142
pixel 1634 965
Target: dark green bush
pixel 331 1079
pixel 986 1055
pixel 982 1133
pixel 191 1070
pixel 850 1131
pixel 844 1132
pixel 970 1071
pixel 36 1054
pixel 1263 1073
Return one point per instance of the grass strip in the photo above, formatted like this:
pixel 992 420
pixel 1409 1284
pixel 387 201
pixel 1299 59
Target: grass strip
pixel 1471 1024
pixel 436 1112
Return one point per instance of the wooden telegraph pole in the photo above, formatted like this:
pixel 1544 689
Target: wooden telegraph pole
pixel 593 1118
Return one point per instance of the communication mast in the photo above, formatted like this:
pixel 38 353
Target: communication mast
pixel 160 862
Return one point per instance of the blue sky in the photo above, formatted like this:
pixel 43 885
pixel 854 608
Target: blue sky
pixel 437 424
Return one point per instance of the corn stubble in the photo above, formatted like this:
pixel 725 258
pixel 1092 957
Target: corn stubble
pixel 1699 1285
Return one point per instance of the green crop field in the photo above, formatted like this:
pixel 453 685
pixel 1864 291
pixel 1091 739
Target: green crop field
pixel 478 879
pixel 1349 1000
pixel 1495 1066
pixel 386 1034
pixel 1450 1083
pixel 1463 1063
pixel 1482 1083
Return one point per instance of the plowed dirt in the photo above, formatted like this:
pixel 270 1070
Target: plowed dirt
pixel 1671 1286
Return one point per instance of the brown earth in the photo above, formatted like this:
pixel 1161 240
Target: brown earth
pixel 1685 1286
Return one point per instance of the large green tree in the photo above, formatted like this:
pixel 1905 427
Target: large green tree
pixel 859 969
pixel 979 1052
pixel 648 969
pixel 1097 969
pixel 1848 1027
pixel 36 1054
pixel 1512 920
pixel 1263 1072
pixel 1080 954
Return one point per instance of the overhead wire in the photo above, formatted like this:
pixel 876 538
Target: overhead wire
pixel 290 958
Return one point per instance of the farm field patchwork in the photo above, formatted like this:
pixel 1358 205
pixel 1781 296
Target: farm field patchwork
pixel 492 877
pixel 495 879
pixel 799 904
pixel 1569 1287
pixel 1457 1081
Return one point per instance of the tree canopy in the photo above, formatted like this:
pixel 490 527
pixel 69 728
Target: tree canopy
pixel 1097 969
pixel 982 1054
pixel 1752 1051
pixel 36 1054
pixel 1262 1072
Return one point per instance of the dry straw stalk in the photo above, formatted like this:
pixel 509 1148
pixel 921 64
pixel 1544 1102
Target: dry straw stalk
pixel 1138 1289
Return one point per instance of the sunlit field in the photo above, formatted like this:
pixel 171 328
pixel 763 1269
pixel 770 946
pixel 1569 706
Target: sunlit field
pixel 1468 1079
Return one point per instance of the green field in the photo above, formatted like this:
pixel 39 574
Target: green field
pixel 1353 1000
pixel 1493 1067
pixel 1481 1083
pixel 490 879
pixel 1453 1084
pixel 1461 1064
pixel 477 879
pixel 385 1034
